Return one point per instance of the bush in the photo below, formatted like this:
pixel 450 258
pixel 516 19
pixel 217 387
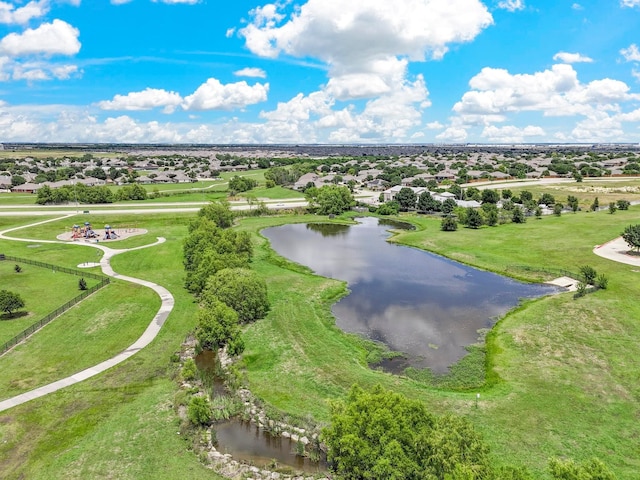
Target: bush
pixel 588 274
pixel 581 290
pixel 448 224
pixel 241 289
pixel 602 281
pixel 199 411
pixel 189 370
pixel 82 284
pixel 17 268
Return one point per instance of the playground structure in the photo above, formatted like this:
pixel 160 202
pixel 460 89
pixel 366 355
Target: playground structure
pixel 87 233
pixel 109 233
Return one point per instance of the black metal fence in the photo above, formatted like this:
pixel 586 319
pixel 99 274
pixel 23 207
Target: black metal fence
pixel 59 311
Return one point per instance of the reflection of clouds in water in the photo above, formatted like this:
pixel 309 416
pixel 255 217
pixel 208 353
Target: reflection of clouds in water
pixel 415 330
pixel 404 297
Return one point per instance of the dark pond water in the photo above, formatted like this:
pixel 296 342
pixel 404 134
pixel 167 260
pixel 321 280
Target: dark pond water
pixel 206 365
pixel 415 302
pixel 248 443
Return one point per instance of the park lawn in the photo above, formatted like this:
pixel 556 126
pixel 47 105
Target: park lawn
pixel 9 199
pixel 120 424
pixel 562 382
pixel 586 191
pixel 43 290
pixel 274 193
pixel 101 326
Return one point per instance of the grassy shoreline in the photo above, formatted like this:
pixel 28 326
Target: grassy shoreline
pixel 562 377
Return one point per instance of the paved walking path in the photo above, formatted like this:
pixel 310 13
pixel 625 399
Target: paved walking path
pixel 618 251
pixel 145 339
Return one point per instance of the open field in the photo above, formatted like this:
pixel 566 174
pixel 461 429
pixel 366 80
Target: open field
pixel 43 290
pixel 562 379
pixel 120 424
pixel 607 190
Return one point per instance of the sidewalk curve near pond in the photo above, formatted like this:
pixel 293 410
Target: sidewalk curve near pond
pixel 145 339
pixel 618 251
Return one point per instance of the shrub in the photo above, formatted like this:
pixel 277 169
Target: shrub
pixel 448 224
pixel 82 284
pixel 581 290
pixel 602 281
pixel 588 274
pixel 199 411
pixel 17 268
pixel 189 370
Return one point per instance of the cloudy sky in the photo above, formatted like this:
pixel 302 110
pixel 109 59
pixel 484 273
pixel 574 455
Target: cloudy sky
pixel 320 71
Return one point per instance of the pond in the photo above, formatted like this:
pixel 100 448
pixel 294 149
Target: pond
pixel 426 306
pixel 254 445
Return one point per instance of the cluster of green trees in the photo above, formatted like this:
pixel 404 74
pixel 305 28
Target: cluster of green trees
pixel 329 199
pixel 90 195
pixel 241 184
pixel 216 259
pixel 379 434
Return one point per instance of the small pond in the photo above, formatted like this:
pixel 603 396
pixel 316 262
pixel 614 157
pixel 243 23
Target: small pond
pixel 254 445
pixel 426 306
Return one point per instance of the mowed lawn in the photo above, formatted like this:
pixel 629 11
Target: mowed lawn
pixel 42 289
pixel 563 380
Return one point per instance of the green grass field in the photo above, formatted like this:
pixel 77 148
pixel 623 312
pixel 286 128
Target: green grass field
pixel 563 379
pixel 43 291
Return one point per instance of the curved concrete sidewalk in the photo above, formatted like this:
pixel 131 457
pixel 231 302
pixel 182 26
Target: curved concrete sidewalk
pixel 617 250
pixel 145 339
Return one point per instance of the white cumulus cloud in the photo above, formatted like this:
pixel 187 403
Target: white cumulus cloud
pixel 511 5
pixel 511 134
pixel 56 38
pixel 631 53
pixel 213 95
pixel 251 72
pixel 567 57
pixel 10 14
pixel 144 100
pixel 630 3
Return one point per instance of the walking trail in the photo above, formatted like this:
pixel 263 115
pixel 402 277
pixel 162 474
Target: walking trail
pixel 618 251
pixel 145 339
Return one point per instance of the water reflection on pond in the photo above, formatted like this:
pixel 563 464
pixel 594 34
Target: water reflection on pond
pixel 413 301
pixel 250 444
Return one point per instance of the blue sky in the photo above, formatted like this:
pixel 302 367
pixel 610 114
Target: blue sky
pixel 320 71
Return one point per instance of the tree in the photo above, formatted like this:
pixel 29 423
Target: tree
pixel 10 302
pixel 218 327
pixel 219 213
pixel 406 198
pixel 389 208
pixel 538 213
pixel 490 196
pixel 557 209
pixel 331 199
pixel 526 196
pixel 595 205
pixel 506 194
pixel 473 218
pixel 448 224
pixel 240 288
pixel 631 235
pixel 623 204
pixel 17 268
pixel 573 203
pixel 426 203
pixel 448 206
pixel 547 199
pixel 518 215
pixel 612 207
pixel 383 435
pixel 82 284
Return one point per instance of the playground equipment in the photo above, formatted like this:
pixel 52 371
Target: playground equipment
pixel 109 233
pixel 88 231
pixel 75 232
